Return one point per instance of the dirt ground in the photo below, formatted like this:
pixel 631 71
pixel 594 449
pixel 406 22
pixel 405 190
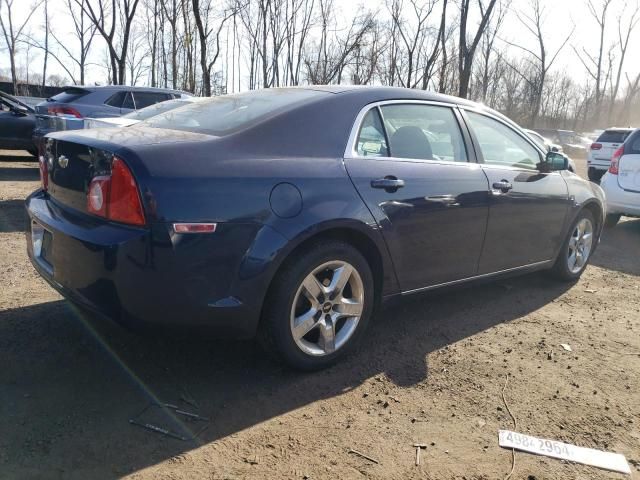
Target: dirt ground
pixel 431 370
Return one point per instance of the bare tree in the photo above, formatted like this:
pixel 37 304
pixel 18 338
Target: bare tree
pixel 326 59
pixel 205 30
pixel 543 59
pixel 624 34
pixel 466 49
pixel 412 35
pixel 13 33
pixel 118 18
pixel 593 63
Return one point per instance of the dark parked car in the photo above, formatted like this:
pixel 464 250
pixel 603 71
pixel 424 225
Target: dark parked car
pixel 68 109
pixel 572 144
pixel 291 213
pixel 17 121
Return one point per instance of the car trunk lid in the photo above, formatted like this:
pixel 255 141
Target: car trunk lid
pixel 75 158
pixel 629 172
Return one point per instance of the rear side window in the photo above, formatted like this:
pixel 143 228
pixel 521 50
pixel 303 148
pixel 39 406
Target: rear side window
pixel 371 140
pixel 145 99
pixel 223 115
pixel 128 102
pixel 501 145
pixel 613 136
pixel 425 132
pixel 70 95
pixel 116 100
pixel 634 145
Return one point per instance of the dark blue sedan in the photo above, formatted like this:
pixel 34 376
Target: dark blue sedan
pixel 291 213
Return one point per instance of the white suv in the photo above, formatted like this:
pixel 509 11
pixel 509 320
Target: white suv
pixel 621 183
pixel 599 156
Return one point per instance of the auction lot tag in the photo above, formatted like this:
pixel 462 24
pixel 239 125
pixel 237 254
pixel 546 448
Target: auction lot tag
pixel 551 448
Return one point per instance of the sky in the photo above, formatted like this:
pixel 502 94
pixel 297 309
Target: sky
pixel 561 17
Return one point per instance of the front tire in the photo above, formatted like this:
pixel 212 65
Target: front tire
pixel 576 248
pixel 319 306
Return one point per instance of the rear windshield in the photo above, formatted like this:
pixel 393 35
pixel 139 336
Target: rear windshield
pixel 613 136
pixel 223 115
pixel 156 109
pixel 69 95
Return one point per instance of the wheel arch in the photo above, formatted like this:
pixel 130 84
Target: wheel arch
pixel 357 234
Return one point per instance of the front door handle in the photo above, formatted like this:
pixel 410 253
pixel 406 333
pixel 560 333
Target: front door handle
pixel 389 183
pixel 503 185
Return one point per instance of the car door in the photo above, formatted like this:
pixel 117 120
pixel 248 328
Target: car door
pixel 409 163
pixel 16 129
pixel 528 208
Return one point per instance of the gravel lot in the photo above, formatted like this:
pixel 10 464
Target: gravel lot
pixel 431 371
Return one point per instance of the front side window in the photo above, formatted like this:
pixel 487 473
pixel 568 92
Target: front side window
pixel 371 140
pixel 501 145
pixel 425 132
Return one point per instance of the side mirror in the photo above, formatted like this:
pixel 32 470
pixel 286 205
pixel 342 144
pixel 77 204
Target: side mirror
pixel 553 162
pixel 20 110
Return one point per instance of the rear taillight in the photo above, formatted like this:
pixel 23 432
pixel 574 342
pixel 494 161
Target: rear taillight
pixel 44 172
pixel 60 111
pixel 596 146
pixel 116 196
pixel 615 160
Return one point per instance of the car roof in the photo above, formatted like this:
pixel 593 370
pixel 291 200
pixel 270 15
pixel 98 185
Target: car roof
pixel 119 88
pixel 619 129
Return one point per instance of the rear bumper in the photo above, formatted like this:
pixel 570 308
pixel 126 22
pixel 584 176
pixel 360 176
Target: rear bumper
pixel 598 164
pixel 151 276
pixel 619 200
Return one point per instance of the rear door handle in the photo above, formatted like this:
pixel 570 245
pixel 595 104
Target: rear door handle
pixel 503 185
pixel 389 183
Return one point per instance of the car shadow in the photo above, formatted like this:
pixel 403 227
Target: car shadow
pixel 619 247
pixel 72 382
pixel 19 174
pixel 13 216
pixel 17 158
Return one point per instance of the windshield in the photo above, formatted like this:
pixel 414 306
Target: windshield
pixel 156 109
pixel 222 115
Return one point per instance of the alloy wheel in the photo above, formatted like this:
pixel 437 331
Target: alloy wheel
pixel 327 308
pixel 580 244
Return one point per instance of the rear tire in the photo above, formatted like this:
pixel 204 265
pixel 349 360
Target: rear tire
pixel 612 220
pixel 318 307
pixel 576 248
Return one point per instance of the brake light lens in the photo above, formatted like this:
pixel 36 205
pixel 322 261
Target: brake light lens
pixel 615 161
pixel 116 196
pixel 44 172
pixel 64 111
pixel 596 146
